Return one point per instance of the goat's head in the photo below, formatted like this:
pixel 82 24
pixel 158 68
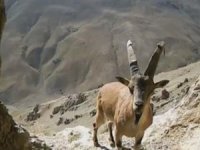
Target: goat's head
pixel 142 86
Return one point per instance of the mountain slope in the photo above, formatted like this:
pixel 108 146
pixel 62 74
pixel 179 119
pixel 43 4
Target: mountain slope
pixel 175 126
pixel 52 47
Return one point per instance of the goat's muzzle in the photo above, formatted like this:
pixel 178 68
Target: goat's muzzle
pixel 139 104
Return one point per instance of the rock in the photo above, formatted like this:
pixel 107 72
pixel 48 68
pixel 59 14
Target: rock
pixel 99 86
pixel 56 109
pixel 73 108
pixel 197 87
pixel 185 90
pixel 186 80
pixel 93 113
pixel 68 121
pixel 12 136
pixel 34 115
pixel 194 95
pixel 165 94
pixel 156 98
pixel 60 121
pixel 38 144
pixel 70 104
pixel 62 110
pixel 179 85
pixel 36 108
pixel 51 116
pixel 81 98
pixel 77 116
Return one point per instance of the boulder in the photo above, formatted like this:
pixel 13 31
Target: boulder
pixel 165 94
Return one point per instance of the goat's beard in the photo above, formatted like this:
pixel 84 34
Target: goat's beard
pixel 137 109
pixel 138 114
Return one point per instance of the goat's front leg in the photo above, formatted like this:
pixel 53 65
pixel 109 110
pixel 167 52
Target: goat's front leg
pixel 138 140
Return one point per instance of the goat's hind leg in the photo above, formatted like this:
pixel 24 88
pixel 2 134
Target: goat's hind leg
pixel 99 121
pixel 118 139
pixel 111 138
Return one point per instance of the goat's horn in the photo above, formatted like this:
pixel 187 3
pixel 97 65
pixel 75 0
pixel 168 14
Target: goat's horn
pixel 134 69
pixel 150 71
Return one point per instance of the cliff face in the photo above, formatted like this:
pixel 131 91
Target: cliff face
pixel 72 46
pixel 12 136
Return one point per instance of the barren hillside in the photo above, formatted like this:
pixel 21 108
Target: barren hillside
pixel 53 47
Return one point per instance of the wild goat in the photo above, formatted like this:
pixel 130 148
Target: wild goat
pixel 126 104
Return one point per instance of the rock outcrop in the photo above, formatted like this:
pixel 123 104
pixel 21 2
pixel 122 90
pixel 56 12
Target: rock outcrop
pixel 34 115
pixel 179 128
pixel 12 136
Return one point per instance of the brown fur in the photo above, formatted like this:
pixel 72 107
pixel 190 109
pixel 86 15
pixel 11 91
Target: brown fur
pixel 114 104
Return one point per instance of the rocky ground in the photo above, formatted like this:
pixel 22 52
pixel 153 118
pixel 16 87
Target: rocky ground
pixel 65 123
pixel 176 129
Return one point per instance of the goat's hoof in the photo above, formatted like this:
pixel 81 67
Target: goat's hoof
pixel 119 148
pixel 138 147
pixel 112 144
pixel 96 144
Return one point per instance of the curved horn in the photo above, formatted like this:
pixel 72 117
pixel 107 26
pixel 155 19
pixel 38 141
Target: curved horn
pixel 151 69
pixel 134 69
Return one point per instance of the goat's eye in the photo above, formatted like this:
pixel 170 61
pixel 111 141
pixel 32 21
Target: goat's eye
pixel 131 90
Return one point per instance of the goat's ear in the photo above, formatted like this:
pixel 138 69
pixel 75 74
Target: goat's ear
pixel 161 84
pixel 123 80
